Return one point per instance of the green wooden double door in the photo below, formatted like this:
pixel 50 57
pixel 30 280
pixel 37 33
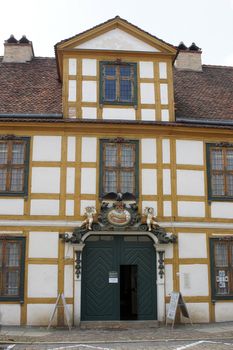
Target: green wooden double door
pixel 118 278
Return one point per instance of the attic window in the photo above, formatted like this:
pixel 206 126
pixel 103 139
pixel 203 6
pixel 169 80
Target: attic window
pixel 118 83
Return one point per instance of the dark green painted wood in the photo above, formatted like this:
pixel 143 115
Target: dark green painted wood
pixel 101 300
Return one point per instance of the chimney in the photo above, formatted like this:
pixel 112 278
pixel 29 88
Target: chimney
pixel 18 51
pixel 189 58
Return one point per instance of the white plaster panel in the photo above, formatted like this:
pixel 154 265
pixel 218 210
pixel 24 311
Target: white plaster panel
pixel 88 180
pixel 45 180
pixel 194 280
pixel 167 208
pixel 68 281
pixel 117 39
pixel 146 69
pixel 42 281
pixel 149 182
pixel 39 314
pixel 147 92
pixel 44 207
pixel 166 150
pixel 89 112
pixel 69 252
pixel 222 210
pixel 151 204
pixel 166 181
pixel 148 151
pixel 119 113
pixel 164 94
pixel 191 209
pixel 72 91
pixel 198 312
pixel 223 311
pixel 165 115
pixel 189 152
pixel 71 148
pixel 43 244
pixel 169 251
pixel 11 206
pixel 89 91
pixel 148 114
pixel 162 70
pixel 70 180
pixel 72 66
pixel 89 67
pixel 89 147
pixel 86 203
pixel 190 183
pixel 168 279
pixel 10 315
pixel 46 148
pixel 192 245
pixel 69 207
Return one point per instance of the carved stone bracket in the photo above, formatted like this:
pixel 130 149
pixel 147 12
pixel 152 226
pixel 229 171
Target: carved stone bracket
pixel 78 263
pixel 161 263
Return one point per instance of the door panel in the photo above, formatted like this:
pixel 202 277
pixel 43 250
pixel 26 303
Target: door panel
pixel 101 299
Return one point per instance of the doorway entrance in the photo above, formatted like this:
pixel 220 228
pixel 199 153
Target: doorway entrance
pixel 128 292
pixel 118 278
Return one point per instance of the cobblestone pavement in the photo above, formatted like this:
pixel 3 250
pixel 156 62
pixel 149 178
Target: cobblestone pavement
pixel 197 337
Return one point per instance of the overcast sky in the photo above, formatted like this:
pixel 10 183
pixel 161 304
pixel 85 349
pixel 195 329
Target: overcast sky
pixel 208 23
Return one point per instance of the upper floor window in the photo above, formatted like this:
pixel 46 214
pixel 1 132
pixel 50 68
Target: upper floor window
pixel 220 171
pixel 222 268
pixel 118 83
pixel 14 158
pixel 119 167
pixel 12 252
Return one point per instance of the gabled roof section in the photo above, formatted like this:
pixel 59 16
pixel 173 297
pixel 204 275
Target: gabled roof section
pixel 116 34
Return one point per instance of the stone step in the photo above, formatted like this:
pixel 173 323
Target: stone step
pixel 119 324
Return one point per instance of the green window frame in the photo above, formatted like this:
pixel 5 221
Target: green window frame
pixel 221 254
pixel 12 265
pixel 220 171
pixel 118 83
pixel 14 165
pixel 119 164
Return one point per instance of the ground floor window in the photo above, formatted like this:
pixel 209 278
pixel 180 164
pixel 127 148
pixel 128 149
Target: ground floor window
pixel 12 256
pixel 222 268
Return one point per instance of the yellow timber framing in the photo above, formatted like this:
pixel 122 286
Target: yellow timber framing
pixel 156 81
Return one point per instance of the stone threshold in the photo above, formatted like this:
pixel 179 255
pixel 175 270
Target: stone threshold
pixel 119 324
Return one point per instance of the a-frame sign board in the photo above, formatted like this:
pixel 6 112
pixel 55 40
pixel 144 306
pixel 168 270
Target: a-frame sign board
pixel 66 312
pixel 175 302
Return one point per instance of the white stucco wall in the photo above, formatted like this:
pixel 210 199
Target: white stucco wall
pixel 44 207
pixel 162 70
pixel 69 207
pixel 89 148
pixel 10 314
pixel 198 312
pixel 43 244
pixel 89 112
pixel 72 90
pixel 166 150
pixel 70 180
pixel 68 281
pixel 86 203
pixel 146 69
pixel 42 281
pixel 147 91
pixel 71 148
pixel 167 208
pixel 165 115
pixel 194 280
pixel 11 206
pixel 190 182
pixel 89 91
pixel 89 66
pixel 88 180
pixel 119 113
pixel 192 245
pixel 46 148
pixel 191 209
pixel 148 114
pixel 166 181
pixel 222 210
pixel 168 279
pixel 223 311
pixel 148 154
pixel 72 66
pixel 152 204
pixel 149 181
pixel 39 314
pixel 189 152
pixel 164 94
pixel 45 180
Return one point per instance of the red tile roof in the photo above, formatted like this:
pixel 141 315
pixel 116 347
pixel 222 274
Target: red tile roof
pixel 31 88
pixel 206 95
